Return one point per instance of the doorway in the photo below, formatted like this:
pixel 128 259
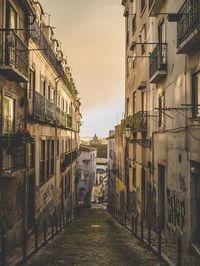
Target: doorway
pixel 143 190
pixel 195 202
pixel 31 202
pixel 161 195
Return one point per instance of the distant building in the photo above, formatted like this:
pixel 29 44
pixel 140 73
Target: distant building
pixel 87 174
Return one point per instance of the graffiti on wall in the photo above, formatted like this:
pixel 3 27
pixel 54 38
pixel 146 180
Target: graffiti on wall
pixel 182 183
pixel 45 200
pixel 176 210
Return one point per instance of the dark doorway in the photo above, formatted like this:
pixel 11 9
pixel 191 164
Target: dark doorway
pixel 161 195
pixel 31 202
pixel 195 202
pixel 143 182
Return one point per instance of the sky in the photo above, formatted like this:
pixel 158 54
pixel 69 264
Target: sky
pixel 92 37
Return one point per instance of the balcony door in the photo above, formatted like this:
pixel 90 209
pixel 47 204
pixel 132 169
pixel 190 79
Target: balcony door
pixel 162 41
pixel 11 40
pixel 8 115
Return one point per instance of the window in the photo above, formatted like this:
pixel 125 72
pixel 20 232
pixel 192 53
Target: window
pixel 134 102
pixel 31 83
pixel 42 161
pixel 62 104
pixel 127 106
pixel 196 94
pixel 58 148
pixel 143 39
pixel 162 41
pixel 31 155
pixel 134 56
pixel 43 86
pixel 13 18
pixel 62 146
pixel 144 101
pixel 66 106
pixel 143 5
pixel 134 23
pixel 49 92
pixel 48 159
pixel 8 115
pixel 161 114
pixel 52 157
pixel 134 177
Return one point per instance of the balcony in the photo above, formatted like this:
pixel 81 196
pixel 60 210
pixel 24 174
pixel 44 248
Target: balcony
pixel 158 63
pixel 12 157
pixel 155 7
pixel 14 61
pixel 67 159
pixel 47 112
pixel 188 28
pixel 39 106
pixel 38 37
pixel 137 121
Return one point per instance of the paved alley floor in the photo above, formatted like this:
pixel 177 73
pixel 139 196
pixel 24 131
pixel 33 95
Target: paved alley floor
pixel 94 239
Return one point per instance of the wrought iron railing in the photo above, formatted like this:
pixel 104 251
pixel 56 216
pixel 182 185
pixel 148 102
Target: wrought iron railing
pixel 50 110
pixel 14 52
pixel 158 59
pixel 137 121
pixel 189 20
pixel 67 159
pixel 40 39
pixel 47 111
pixel 12 158
pixel 39 106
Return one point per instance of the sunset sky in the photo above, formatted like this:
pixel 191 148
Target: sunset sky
pixel 92 36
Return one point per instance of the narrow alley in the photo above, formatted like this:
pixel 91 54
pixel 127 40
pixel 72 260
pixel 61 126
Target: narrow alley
pixel 94 239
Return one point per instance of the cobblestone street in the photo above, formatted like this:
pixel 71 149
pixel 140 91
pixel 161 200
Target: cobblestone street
pixel 94 239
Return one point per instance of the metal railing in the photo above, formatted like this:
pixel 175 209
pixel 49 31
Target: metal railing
pixel 43 231
pixel 67 159
pixel 39 106
pixel 173 251
pixel 39 38
pixel 137 121
pixel 158 59
pixel 14 52
pixel 190 19
pixel 46 111
pixel 14 159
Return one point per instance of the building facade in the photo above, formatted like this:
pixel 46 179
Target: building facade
pixel 161 126
pixel 87 170
pixel 40 120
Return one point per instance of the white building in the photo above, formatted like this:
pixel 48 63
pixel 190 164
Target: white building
pixel 87 170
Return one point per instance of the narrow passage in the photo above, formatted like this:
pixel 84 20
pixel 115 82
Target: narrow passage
pixel 94 239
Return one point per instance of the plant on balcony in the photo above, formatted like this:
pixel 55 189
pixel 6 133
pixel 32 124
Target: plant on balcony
pixel 22 136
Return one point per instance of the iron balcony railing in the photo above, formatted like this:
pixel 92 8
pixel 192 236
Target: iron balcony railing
pixel 189 19
pixel 39 106
pixel 13 52
pixel 137 121
pixel 158 59
pixel 50 110
pixel 12 158
pixel 67 159
pixel 46 111
pixel 39 38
